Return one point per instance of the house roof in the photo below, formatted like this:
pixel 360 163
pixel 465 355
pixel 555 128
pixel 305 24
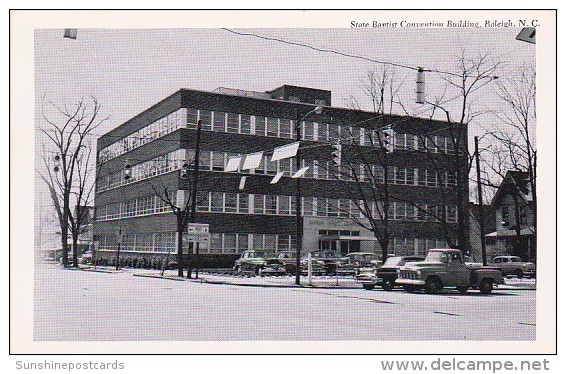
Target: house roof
pixel 513 181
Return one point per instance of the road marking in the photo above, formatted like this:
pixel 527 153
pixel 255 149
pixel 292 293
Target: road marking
pixel 349 297
pixel 448 314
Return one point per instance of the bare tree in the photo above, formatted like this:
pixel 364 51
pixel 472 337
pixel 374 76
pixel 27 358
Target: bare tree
pixel 513 144
pixel 371 193
pixel 66 159
pixel 473 73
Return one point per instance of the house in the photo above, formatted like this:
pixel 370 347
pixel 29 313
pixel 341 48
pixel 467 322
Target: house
pixel 515 232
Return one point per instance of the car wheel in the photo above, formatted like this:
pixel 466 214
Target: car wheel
pixel 486 286
pixel 433 285
pixel 258 270
pixel 238 269
pixel 368 286
pixel 387 284
pixel 519 273
pixel 462 289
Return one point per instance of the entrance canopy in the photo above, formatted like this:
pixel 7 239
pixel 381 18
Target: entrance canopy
pixel 347 237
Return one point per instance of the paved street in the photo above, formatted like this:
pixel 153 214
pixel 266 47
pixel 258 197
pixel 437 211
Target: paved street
pixel 83 306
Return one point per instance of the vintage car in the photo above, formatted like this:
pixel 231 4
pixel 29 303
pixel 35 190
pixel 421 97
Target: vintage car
pixel 259 263
pixel 325 261
pixel 289 260
pixel 355 261
pixel 514 265
pixel 386 274
pixel 445 268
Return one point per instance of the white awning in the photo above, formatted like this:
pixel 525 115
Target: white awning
pixel 233 164
pixel 286 151
pixel 252 161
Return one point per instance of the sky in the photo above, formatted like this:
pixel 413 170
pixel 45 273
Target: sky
pixel 128 70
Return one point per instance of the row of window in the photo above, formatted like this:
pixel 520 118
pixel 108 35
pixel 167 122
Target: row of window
pixel 133 208
pixel 164 242
pixel 219 242
pixel 216 161
pixel 271 127
pixel 144 135
pixel 315 131
pixel 227 202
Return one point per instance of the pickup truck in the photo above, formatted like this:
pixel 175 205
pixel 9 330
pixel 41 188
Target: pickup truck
pixel 445 268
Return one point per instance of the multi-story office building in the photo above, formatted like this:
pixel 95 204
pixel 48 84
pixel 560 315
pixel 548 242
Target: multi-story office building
pixel 262 215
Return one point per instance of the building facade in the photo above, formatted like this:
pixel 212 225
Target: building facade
pixel 157 142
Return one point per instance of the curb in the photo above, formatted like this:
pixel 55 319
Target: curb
pixel 274 285
pixel 168 277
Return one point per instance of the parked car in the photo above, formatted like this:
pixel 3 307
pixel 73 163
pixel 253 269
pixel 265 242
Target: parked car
pixel 327 261
pixel 443 268
pixel 514 265
pixel 289 260
pixel 356 261
pixel 259 263
pixel 386 274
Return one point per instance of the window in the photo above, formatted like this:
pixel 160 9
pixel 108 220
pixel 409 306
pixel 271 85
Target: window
pixel 216 201
pixel 355 136
pixel 219 122
pixel 285 129
pixel 270 243
pixel 333 133
pixel 270 204
pixel 283 242
pixel 272 127
pixel 231 202
pixel 230 243
pixel 332 208
pixel 243 203
pixel 203 200
pixel 451 213
pixel 323 132
pixel 215 242
pixel 192 118
pixel 204 160
pixel 505 214
pixel 431 179
pixel 260 125
pixel 270 166
pixel 242 242
pixel 308 130
pixel 233 123
pixel 205 119
pixel 400 175
pixel 145 205
pixel 245 126
pixel 345 134
pixel 284 205
pixel 217 161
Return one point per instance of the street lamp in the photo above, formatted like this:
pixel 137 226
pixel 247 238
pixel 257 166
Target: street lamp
pixel 317 110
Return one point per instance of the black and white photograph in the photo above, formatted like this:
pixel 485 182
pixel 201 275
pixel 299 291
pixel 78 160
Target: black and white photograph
pixel 337 182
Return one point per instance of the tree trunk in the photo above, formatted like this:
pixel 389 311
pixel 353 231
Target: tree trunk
pixel 75 249
pixel 180 245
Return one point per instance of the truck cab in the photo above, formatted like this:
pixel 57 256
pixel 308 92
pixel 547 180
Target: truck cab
pixel 445 268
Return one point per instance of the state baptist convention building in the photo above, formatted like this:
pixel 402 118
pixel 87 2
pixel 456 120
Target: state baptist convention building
pixel 157 142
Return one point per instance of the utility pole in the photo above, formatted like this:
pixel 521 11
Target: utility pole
pixel 194 197
pixel 194 201
pixel 480 203
pixel 118 249
pixel 298 206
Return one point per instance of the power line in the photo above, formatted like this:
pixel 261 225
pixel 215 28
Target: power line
pixel 340 53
